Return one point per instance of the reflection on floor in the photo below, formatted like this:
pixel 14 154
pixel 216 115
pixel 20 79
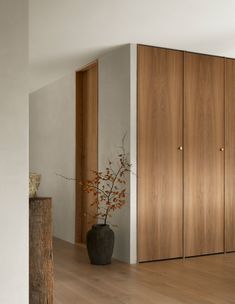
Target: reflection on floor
pixel 208 279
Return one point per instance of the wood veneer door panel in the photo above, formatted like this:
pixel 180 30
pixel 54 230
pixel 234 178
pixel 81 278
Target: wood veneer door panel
pixel 160 100
pixel 90 142
pixel 230 155
pixel 86 145
pixel 203 160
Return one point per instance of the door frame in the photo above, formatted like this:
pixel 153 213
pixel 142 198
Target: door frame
pixel 79 76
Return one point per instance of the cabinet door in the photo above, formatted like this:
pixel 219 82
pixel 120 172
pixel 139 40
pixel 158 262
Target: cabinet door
pixel 203 154
pixel 160 101
pixel 230 155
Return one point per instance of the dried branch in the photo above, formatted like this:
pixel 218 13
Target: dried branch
pixel 108 185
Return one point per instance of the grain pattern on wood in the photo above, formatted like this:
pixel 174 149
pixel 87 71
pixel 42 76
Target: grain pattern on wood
pixel 86 145
pixel 230 155
pixel 203 160
pixel 200 280
pixel 160 101
pixel 90 141
pixel 40 251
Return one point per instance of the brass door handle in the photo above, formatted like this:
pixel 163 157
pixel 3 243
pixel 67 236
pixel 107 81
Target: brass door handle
pixel 222 149
pixel 180 148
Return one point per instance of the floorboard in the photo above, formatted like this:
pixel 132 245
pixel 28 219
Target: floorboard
pixel 206 280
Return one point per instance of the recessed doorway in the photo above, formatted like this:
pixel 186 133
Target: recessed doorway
pixel 86 145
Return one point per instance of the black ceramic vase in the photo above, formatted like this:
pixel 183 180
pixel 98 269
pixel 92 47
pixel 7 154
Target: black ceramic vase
pixel 100 242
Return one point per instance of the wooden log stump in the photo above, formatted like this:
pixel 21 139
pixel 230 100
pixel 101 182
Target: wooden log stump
pixel 40 251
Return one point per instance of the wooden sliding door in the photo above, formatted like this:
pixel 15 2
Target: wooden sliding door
pixel 160 155
pixel 204 154
pixel 86 146
pixel 230 155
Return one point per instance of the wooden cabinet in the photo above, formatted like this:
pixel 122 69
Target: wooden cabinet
pixel 203 158
pixel 230 155
pixel 160 104
pixel 186 154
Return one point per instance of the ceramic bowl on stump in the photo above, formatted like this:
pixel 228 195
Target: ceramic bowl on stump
pixel 34 182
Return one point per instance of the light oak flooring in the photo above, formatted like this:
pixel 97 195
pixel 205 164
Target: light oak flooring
pixel 208 279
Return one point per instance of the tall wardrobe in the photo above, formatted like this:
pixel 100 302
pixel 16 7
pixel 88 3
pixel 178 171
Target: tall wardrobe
pixel 186 154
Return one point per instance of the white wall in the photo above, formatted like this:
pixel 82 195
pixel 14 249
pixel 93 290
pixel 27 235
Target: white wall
pixel 14 151
pixel 52 149
pixel 133 154
pixel 117 99
pixel 52 143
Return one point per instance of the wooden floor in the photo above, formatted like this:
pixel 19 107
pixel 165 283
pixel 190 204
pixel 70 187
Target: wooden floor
pixel 208 279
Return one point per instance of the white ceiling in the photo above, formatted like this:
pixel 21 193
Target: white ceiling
pixel 66 34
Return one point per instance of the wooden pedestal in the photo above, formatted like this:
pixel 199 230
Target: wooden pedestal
pixel 40 251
